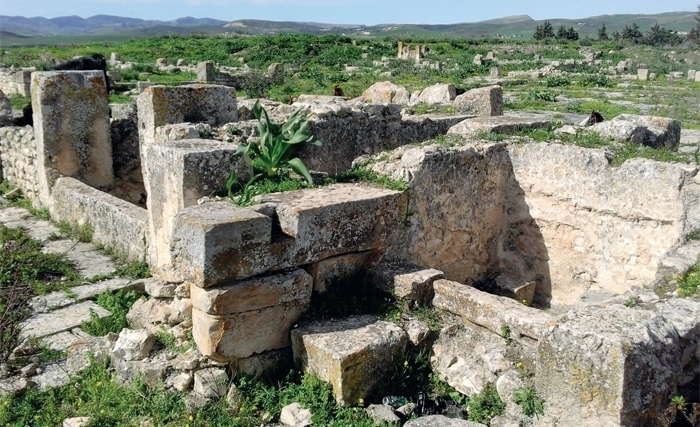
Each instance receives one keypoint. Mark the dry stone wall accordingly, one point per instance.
(16, 81)
(18, 159)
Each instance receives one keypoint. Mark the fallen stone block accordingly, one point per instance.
(490, 311)
(383, 414)
(440, 93)
(643, 74)
(352, 354)
(496, 124)
(485, 101)
(211, 383)
(60, 320)
(406, 281)
(133, 345)
(441, 421)
(650, 131)
(385, 93)
(294, 415)
(516, 288)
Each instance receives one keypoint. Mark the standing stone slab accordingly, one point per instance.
(485, 101)
(176, 174)
(352, 354)
(71, 127)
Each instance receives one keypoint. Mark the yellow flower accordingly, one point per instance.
(360, 401)
(405, 363)
(190, 418)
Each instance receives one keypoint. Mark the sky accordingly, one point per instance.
(368, 12)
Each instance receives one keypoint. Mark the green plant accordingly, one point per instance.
(556, 81)
(541, 95)
(280, 145)
(361, 173)
(81, 233)
(168, 340)
(505, 333)
(630, 302)
(483, 407)
(528, 400)
(133, 270)
(595, 80)
(118, 303)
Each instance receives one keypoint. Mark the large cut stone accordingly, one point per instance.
(440, 93)
(385, 93)
(71, 127)
(406, 281)
(491, 311)
(614, 365)
(652, 131)
(176, 174)
(484, 101)
(352, 354)
(495, 124)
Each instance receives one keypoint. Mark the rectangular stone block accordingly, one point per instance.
(485, 101)
(176, 174)
(352, 354)
(406, 281)
(643, 74)
(491, 311)
(71, 127)
(241, 335)
(218, 242)
(162, 105)
(495, 124)
(516, 288)
(117, 224)
(254, 294)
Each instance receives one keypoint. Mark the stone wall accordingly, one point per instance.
(18, 159)
(16, 81)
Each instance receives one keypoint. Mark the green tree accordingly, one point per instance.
(543, 32)
(694, 33)
(603, 33)
(632, 34)
(659, 36)
(566, 33)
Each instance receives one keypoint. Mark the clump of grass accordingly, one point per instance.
(531, 403)
(133, 270)
(118, 303)
(81, 233)
(166, 339)
(424, 108)
(629, 150)
(361, 173)
(119, 98)
(23, 202)
(483, 407)
(689, 283)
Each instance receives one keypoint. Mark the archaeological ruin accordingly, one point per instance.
(541, 243)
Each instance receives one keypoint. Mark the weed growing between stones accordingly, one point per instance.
(133, 270)
(81, 233)
(689, 283)
(361, 173)
(166, 339)
(118, 303)
(19, 201)
(629, 150)
(527, 398)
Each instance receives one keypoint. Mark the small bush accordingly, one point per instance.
(118, 303)
(596, 80)
(483, 407)
(528, 400)
(556, 81)
(133, 270)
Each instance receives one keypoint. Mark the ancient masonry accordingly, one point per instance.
(546, 224)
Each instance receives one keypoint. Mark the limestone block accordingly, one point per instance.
(240, 335)
(116, 223)
(652, 131)
(496, 124)
(293, 415)
(93, 348)
(176, 132)
(178, 173)
(697, 77)
(406, 281)
(211, 383)
(383, 414)
(643, 74)
(485, 101)
(147, 313)
(441, 421)
(324, 271)
(691, 74)
(254, 294)
(490, 311)
(478, 60)
(612, 365)
(133, 345)
(323, 106)
(516, 288)
(205, 72)
(440, 93)
(162, 105)
(76, 422)
(71, 127)
(494, 72)
(5, 110)
(60, 320)
(217, 242)
(352, 354)
(385, 93)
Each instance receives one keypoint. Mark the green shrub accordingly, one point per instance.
(595, 80)
(483, 407)
(528, 400)
(118, 303)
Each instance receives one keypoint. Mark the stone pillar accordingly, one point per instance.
(691, 75)
(642, 74)
(71, 126)
(205, 72)
(400, 51)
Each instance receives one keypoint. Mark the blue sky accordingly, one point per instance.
(342, 11)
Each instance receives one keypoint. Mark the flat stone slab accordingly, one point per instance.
(86, 259)
(54, 375)
(60, 320)
(495, 124)
(43, 303)
(491, 311)
(353, 354)
(441, 421)
(62, 340)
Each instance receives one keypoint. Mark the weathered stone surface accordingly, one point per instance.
(490, 311)
(352, 354)
(71, 127)
(385, 93)
(417, 331)
(383, 414)
(613, 365)
(81, 352)
(162, 105)
(53, 375)
(441, 421)
(469, 358)
(240, 335)
(60, 320)
(18, 155)
(485, 101)
(323, 106)
(253, 294)
(76, 422)
(181, 382)
(257, 364)
(651, 131)
(218, 242)
(642, 74)
(495, 124)
(440, 93)
(133, 344)
(178, 173)
(5, 110)
(406, 281)
(116, 223)
(58, 299)
(147, 313)
(211, 383)
(324, 271)
(507, 384)
(84, 256)
(516, 288)
(294, 415)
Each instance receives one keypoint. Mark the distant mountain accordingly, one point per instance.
(98, 24)
(510, 26)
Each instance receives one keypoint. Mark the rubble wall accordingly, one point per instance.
(18, 159)
(16, 81)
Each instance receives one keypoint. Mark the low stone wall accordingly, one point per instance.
(18, 159)
(117, 224)
(16, 81)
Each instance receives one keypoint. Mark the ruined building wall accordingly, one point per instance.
(15, 81)
(18, 158)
